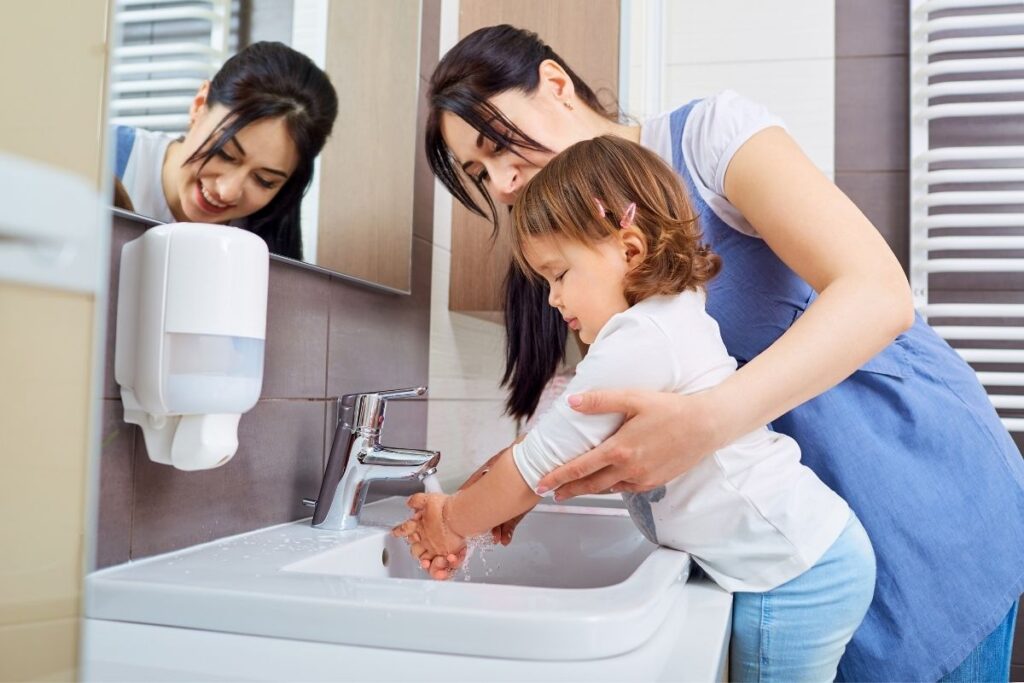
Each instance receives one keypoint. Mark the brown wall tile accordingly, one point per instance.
(380, 341)
(277, 465)
(295, 365)
(114, 524)
(884, 199)
(872, 28)
(871, 114)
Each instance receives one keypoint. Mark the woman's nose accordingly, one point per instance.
(506, 182)
(229, 187)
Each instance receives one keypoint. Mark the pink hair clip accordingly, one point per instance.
(628, 216)
(601, 211)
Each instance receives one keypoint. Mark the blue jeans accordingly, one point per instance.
(799, 630)
(990, 661)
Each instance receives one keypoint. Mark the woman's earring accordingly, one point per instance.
(568, 105)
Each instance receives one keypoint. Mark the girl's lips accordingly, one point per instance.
(205, 206)
(574, 323)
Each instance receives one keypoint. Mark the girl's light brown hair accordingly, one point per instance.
(562, 200)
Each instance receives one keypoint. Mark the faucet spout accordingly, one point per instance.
(357, 458)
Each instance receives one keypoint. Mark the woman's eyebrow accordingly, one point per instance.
(265, 168)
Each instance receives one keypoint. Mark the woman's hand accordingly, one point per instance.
(663, 436)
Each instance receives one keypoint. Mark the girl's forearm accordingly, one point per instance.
(496, 497)
(850, 322)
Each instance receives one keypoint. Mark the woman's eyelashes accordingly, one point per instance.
(496, 149)
(261, 181)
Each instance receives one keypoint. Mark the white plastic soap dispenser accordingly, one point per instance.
(191, 327)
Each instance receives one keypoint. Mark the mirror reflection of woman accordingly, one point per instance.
(817, 310)
(247, 157)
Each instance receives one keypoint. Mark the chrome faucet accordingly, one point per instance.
(357, 458)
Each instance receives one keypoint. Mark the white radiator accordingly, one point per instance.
(166, 49)
(967, 203)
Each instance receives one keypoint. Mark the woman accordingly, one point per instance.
(810, 303)
(247, 158)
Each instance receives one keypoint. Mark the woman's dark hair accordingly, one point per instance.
(486, 63)
(535, 336)
(271, 80)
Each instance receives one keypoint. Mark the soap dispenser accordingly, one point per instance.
(191, 327)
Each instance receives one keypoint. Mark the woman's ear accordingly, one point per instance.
(634, 246)
(198, 103)
(556, 81)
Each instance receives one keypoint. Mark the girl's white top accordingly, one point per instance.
(143, 175)
(750, 514)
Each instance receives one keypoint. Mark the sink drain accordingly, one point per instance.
(384, 557)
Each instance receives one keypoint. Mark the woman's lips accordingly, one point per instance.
(205, 206)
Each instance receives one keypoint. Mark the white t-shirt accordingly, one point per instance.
(142, 176)
(715, 129)
(750, 514)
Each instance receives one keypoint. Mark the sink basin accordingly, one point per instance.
(579, 589)
(554, 547)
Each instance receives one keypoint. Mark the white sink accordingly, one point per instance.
(577, 584)
(554, 547)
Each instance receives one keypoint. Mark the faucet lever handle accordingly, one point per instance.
(366, 410)
(398, 394)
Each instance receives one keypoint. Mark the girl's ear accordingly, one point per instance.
(198, 103)
(634, 246)
(555, 81)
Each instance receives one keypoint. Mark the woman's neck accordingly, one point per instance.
(598, 125)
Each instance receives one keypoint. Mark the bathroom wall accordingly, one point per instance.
(872, 139)
(326, 336)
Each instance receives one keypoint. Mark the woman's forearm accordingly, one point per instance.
(491, 500)
(851, 321)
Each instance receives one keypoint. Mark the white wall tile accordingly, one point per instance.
(801, 92)
(704, 32)
(466, 354)
(467, 433)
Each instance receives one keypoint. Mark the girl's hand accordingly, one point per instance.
(663, 436)
(434, 537)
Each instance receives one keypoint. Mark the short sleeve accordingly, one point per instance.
(632, 352)
(716, 128)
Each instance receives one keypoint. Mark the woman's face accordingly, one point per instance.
(239, 180)
(504, 173)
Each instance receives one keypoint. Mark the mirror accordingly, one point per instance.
(356, 218)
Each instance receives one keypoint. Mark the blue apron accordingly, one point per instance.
(915, 447)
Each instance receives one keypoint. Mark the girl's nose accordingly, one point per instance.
(553, 298)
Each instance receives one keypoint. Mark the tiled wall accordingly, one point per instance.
(325, 337)
(872, 143)
(872, 146)
(777, 53)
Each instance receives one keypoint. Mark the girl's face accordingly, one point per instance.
(586, 280)
(236, 182)
(541, 115)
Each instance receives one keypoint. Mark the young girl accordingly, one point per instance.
(247, 157)
(607, 225)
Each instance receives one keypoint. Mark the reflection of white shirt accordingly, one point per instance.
(750, 514)
(142, 177)
(715, 129)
